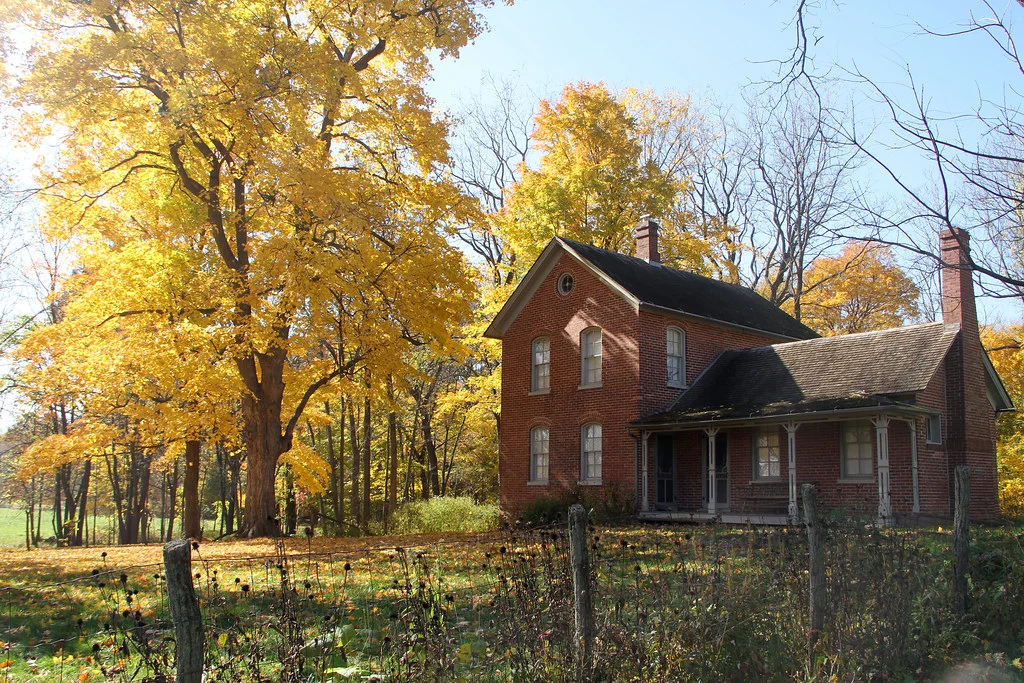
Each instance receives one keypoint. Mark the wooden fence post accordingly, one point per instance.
(583, 605)
(961, 537)
(188, 621)
(816, 551)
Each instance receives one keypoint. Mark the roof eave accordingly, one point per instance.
(1006, 403)
(812, 416)
(524, 291)
(664, 310)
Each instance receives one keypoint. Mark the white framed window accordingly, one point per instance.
(590, 357)
(590, 454)
(767, 463)
(565, 283)
(540, 365)
(856, 450)
(933, 429)
(675, 357)
(539, 455)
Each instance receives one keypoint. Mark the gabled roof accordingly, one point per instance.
(851, 372)
(657, 288)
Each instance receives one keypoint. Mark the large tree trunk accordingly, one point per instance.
(260, 516)
(264, 444)
(263, 437)
(192, 526)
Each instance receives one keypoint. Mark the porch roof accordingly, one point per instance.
(810, 411)
(825, 378)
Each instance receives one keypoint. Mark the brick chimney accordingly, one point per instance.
(969, 418)
(646, 234)
(957, 284)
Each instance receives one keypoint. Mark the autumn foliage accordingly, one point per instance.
(253, 184)
(1004, 349)
(860, 289)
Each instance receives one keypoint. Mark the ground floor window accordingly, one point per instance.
(590, 443)
(539, 454)
(767, 464)
(856, 450)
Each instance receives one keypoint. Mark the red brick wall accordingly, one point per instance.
(932, 464)
(704, 342)
(567, 407)
(970, 431)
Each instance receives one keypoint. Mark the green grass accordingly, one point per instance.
(671, 603)
(12, 527)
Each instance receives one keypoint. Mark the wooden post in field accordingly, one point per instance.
(816, 550)
(188, 622)
(961, 537)
(582, 601)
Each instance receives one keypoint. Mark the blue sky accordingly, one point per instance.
(713, 49)
(692, 47)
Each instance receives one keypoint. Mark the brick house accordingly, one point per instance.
(698, 399)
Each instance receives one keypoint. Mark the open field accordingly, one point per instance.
(671, 603)
(12, 527)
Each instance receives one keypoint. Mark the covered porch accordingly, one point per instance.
(748, 470)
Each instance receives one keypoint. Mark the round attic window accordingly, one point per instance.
(565, 283)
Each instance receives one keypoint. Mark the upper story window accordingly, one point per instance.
(675, 356)
(590, 357)
(590, 454)
(565, 283)
(856, 450)
(540, 365)
(767, 463)
(933, 429)
(539, 455)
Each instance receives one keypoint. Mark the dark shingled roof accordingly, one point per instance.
(833, 373)
(690, 293)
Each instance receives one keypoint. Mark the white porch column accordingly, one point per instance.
(644, 504)
(912, 423)
(791, 428)
(882, 442)
(712, 432)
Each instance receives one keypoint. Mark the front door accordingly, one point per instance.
(666, 473)
(721, 471)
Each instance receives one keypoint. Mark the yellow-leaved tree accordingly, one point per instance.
(142, 376)
(860, 289)
(297, 151)
(605, 162)
(1004, 349)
